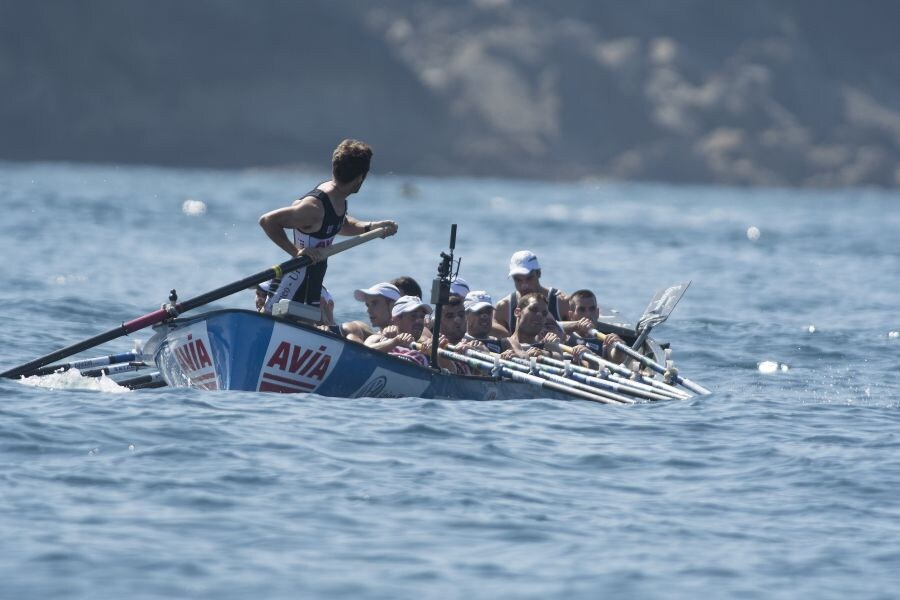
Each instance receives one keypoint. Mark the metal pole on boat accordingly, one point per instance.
(440, 292)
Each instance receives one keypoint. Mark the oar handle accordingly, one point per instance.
(171, 311)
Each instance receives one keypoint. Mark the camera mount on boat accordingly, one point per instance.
(440, 291)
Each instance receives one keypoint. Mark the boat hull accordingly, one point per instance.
(244, 350)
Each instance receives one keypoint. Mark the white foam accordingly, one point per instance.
(72, 380)
(893, 334)
(68, 279)
(768, 367)
(752, 233)
(193, 208)
(811, 329)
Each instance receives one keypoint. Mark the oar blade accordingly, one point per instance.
(661, 306)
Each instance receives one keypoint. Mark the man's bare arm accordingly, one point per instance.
(305, 215)
(353, 226)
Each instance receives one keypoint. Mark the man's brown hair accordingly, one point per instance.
(582, 294)
(531, 298)
(350, 159)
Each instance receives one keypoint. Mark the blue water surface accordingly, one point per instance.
(784, 483)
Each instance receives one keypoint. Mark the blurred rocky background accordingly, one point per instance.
(768, 92)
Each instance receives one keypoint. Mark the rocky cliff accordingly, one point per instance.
(772, 92)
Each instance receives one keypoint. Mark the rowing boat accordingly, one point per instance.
(236, 349)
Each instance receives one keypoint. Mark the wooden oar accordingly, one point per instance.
(604, 389)
(652, 364)
(526, 377)
(170, 311)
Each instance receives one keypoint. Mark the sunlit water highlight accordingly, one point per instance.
(782, 484)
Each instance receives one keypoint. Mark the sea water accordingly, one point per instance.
(784, 483)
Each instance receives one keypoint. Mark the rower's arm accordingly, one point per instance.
(564, 307)
(305, 215)
(500, 314)
(379, 342)
(353, 226)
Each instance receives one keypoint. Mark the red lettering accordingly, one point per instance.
(192, 347)
(298, 359)
(313, 360)
(203, 355)
(184, 357)
(321, 368)
(309, 364)
(280, 356)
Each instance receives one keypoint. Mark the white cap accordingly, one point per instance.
(475, 301)
(326, 296)
(459, 287)
(523, 262)
(406, 304)
(385, 289)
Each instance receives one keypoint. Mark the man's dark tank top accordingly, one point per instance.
(307, 286)
(552, 305)
(593, 344)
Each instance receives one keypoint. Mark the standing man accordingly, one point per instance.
(316, 219)
(525, 271)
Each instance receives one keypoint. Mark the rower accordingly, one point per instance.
(584, 315)
(480, 321)
(536, 331)
(407, 286)
(405, 330)
(459, 287)
(379, 300)
(525, 271)
(316, 218)
(326, 301)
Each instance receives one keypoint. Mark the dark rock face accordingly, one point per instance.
(774, 92)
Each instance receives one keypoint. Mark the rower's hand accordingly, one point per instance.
(509, 354)
(583, 327)
(389, 227)
(534, 352)
(389, 332)
(466, 345)
(609, 349)
(551, 339)
(404, 339)
(578, 352)
(313, 254)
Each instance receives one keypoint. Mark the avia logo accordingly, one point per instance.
(193, 355)
(292, 358)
